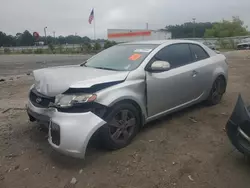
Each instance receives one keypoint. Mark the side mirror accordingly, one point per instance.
(159, 66)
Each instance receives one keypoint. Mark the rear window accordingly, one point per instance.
(198, 52)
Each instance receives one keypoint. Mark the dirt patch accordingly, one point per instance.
(185, 149)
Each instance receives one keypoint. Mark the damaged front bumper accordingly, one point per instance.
(238, 127)
(69, 133)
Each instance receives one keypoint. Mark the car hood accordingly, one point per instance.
(56, 80)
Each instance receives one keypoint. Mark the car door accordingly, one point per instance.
(174, 88)
(203, 66)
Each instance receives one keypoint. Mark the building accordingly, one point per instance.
(129, 35)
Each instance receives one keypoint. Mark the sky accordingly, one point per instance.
(67, 17)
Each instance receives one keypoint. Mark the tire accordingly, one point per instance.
(123, 123)
(217, 91)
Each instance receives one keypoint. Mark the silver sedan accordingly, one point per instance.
(116, 92)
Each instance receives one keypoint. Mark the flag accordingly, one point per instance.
(91, 16)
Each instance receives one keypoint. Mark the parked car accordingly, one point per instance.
(238, 127)
(210, 45)
(117, 91)
(243, 46)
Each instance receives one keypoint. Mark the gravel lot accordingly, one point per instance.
(21, 64)
(188, 149)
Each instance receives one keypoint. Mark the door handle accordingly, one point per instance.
(194, 73)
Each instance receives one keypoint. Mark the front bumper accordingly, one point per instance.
(238, 127)
(74, 129)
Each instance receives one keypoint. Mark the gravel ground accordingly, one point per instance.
(188, 149)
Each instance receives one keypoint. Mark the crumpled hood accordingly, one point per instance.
(56, 80)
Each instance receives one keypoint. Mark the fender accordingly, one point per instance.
(129, 90)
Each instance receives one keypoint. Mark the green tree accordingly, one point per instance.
(97, 46)
(187, 29)
(88, 47)
(26, 39)
(227, 28)
(51, 47)
(108, 44)
(6, 40)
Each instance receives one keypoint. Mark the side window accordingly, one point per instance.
(177, 55)
(198, 52)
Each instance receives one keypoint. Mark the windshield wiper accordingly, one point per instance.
(104, 68)
(83, 64)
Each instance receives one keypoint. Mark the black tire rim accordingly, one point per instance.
(218, 90)
(122, 126)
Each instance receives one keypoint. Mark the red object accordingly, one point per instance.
(36, 35)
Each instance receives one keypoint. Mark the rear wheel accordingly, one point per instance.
(123, 122)
(217, 91)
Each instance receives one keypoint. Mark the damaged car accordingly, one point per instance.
(121, 89)
(238, 127)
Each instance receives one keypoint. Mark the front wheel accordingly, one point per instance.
(217, 91)
(123, 122)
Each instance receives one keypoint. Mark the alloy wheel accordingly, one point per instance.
(122, 125)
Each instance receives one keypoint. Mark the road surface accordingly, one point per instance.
(22, 64)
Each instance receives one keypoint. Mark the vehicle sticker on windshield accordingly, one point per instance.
(134, 57)
(143, 50)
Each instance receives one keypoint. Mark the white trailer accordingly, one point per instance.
(129, 35)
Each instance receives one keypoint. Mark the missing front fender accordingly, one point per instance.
(96, 108)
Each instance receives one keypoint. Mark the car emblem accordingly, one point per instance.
(38, 100)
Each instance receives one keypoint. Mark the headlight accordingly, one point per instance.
(69, 100)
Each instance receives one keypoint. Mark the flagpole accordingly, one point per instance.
(94, 24)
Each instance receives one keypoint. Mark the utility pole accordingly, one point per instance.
(54, 34)
(194, 27)
(45, 34)
(74, 41)
(146, 26)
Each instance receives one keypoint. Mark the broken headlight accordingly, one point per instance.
(74, 99)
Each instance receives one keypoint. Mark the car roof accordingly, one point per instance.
(167, 42)
(244, 43)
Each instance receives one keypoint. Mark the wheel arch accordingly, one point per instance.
(219, 72)
(135, 103)
(222, 76)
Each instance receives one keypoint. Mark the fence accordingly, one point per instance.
(63, 49)
(225, 43)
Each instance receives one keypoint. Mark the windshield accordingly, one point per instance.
(121, 57)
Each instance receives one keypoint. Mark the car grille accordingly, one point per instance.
(55, 133)
(40, 100)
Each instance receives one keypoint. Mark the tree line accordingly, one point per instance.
(27, 39)
(224, 28)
